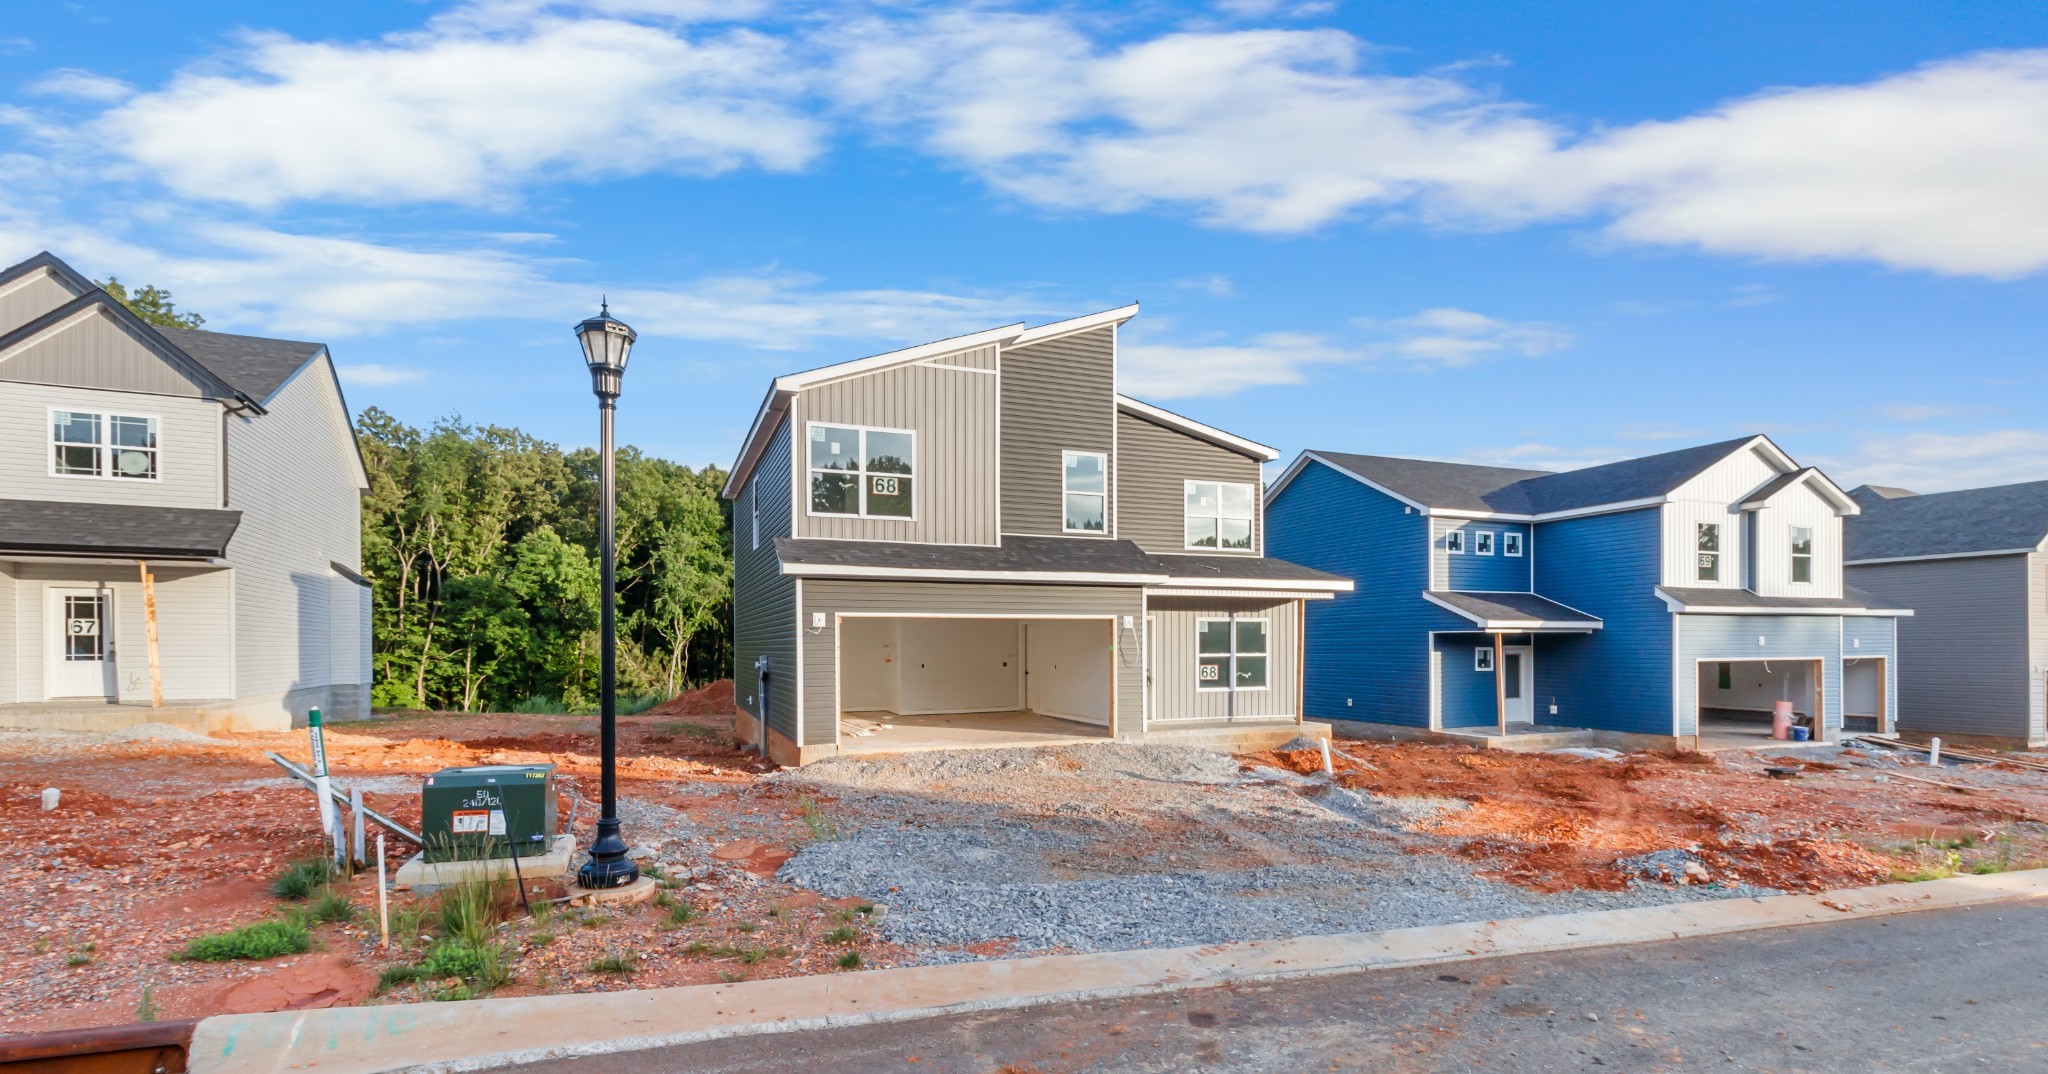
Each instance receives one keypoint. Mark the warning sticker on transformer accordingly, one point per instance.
(475, 821)
(497, 822)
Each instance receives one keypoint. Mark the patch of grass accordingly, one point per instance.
(849, 960)
(743, 954)
(42, 945)
(394, 976)
(730, 977)
(594, 921)
(816, 822)
(653, 869)
(407, 923)
(746, 927)
(148, 1010)
(615, 963)
(696, 947)
(468, 911)
(681, 913)
(842, 934)
(265, 939)
(865, 908)
(77, 958)
(331, 906)
(302, 878)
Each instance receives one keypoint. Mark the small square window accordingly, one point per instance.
(1802, 554)
(1482, 658)
(1511, 543)
(1482, 543)
(1219, 514)
(1454, 542)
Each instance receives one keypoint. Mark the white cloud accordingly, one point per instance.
(456, 113)
(1454, 337)
(1173, 371)
(1916, 411)
(81, 85)
(1938, 462)
(372, 375)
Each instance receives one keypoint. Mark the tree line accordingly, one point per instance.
(481, 542)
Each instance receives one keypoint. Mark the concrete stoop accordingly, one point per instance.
(479, 1034)
(1234, 738)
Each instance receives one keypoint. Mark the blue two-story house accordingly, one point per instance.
(1677, 596)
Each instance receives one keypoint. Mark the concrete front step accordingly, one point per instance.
(1235, 738)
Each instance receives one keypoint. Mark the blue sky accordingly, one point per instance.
(1542, 234)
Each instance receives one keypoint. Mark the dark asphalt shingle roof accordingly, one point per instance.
(1049, 555)
(1513, 606)
(1994, 519)
(1461, 486)
(255, 366)
(1254, 568)
(54, 527)
(1852, 599)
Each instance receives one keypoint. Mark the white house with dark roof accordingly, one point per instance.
(1973, 564)
(223, 467)
(1679, 596)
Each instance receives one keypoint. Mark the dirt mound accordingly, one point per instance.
(710, 699)
(541, 743)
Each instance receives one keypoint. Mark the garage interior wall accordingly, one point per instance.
(1069, 669)
(1751, 688)
(924, 667)
(1862, 687)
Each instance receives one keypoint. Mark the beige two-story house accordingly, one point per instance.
(979, 541)
(222, 467)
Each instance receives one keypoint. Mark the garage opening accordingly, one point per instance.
(1737, 699)
(1863, 695)
(952, 682)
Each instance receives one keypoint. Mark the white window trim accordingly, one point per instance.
(1511, 543)
(1482, 543)
(1065, 492)
(1697, 552)
(1454, 540)
(1253, 518)
(1482, 658)
(1792, 564)
(106, 429)
(1265, 626)
(915, 473)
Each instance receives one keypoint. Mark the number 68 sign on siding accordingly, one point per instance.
(879, 485)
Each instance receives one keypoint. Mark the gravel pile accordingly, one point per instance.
(16, 740)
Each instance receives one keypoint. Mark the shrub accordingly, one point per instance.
(394, 695)
(302, 878)
(265, 939)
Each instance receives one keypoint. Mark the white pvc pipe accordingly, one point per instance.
(383, 902)
(1934, 753)
(1328, 770)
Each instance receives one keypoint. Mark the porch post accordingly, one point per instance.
(156, 675)
(1500, 685)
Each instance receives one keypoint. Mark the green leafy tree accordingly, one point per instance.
(152, 304)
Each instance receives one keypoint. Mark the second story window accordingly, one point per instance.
(87, 444)
(1709, 541)
(865, 473)
(1219, 515)
(1084, 487)
(754, 510)
(1802, 554)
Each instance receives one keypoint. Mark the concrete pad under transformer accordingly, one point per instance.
(421, 873)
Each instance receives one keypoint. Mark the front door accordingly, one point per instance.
(1518, 682)
(82, 643)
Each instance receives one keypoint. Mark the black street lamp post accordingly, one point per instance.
(607, 342)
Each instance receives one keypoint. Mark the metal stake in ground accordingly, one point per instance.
(607, 343)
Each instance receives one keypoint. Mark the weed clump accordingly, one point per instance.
(301, 879)
(265, 939)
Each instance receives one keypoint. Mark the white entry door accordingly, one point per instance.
(1518, 682)
(81, 637)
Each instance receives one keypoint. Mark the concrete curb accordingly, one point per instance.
(449, 1037)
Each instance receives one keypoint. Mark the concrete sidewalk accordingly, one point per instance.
(495, 1032)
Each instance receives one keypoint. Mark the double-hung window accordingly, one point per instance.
(88, 444)
(1230, 654)
(1802, 554)
(1708, 538)
(865, 473)
(1084, 487)
(1219, 514)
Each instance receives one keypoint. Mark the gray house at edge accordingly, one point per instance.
(979, 540)
(1974, 566)
(224, 466)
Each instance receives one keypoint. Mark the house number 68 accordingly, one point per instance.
(884, 486)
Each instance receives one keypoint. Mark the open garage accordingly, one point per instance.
(1738, 696)
(909, 682)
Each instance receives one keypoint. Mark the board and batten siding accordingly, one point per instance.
(1713, 495)
(188, 448)
(1770, 550)
(1153, 466)
(1619, 677)
(1173, 652)
(31, 296)
(764, 599)
(950, 402)
(93, 350)
(1470, 571)
(996, 600)
(1057, 396)
(1367, 651)
(1963, 666)
(1790, 638)
(295, 476)
(195, 617)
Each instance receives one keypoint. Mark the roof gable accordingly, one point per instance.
(2002, 518)
(93, 341)
(256, 366)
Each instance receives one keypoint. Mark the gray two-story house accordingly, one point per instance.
(180, 521)
(980, 541)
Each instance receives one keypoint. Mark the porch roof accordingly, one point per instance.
(1088, 560)
(1515, 613)
(1213, 571)
(1853, 601)
(58, 527)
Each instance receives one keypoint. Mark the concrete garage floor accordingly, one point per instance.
(890, 733)
(1746, 731)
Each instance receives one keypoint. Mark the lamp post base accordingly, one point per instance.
(609, 866)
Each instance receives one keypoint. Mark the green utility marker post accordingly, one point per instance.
(330, 825)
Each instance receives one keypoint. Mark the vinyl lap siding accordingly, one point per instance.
(1367, 651)
(1734, 637)
(831, 597)
(9, 649)
(1497, 573)
(1963, 666)
(188, 459)
(1174, 693)
(1618, 678)
(953, 412)
(1057, 396)
(1153, 464)
(2037, 662)
(195, 614)
(764, 600)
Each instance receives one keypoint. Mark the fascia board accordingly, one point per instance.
(826, 570)
(1072, 325)
(794, 382)
(1141, 409)
(1547, 516)
(1183, 582)
(1947, 555)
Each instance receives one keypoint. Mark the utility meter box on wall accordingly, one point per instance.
(488, 811)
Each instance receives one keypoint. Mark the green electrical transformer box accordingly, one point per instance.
(488, 811)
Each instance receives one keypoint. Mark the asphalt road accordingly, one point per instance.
(1950, 990)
